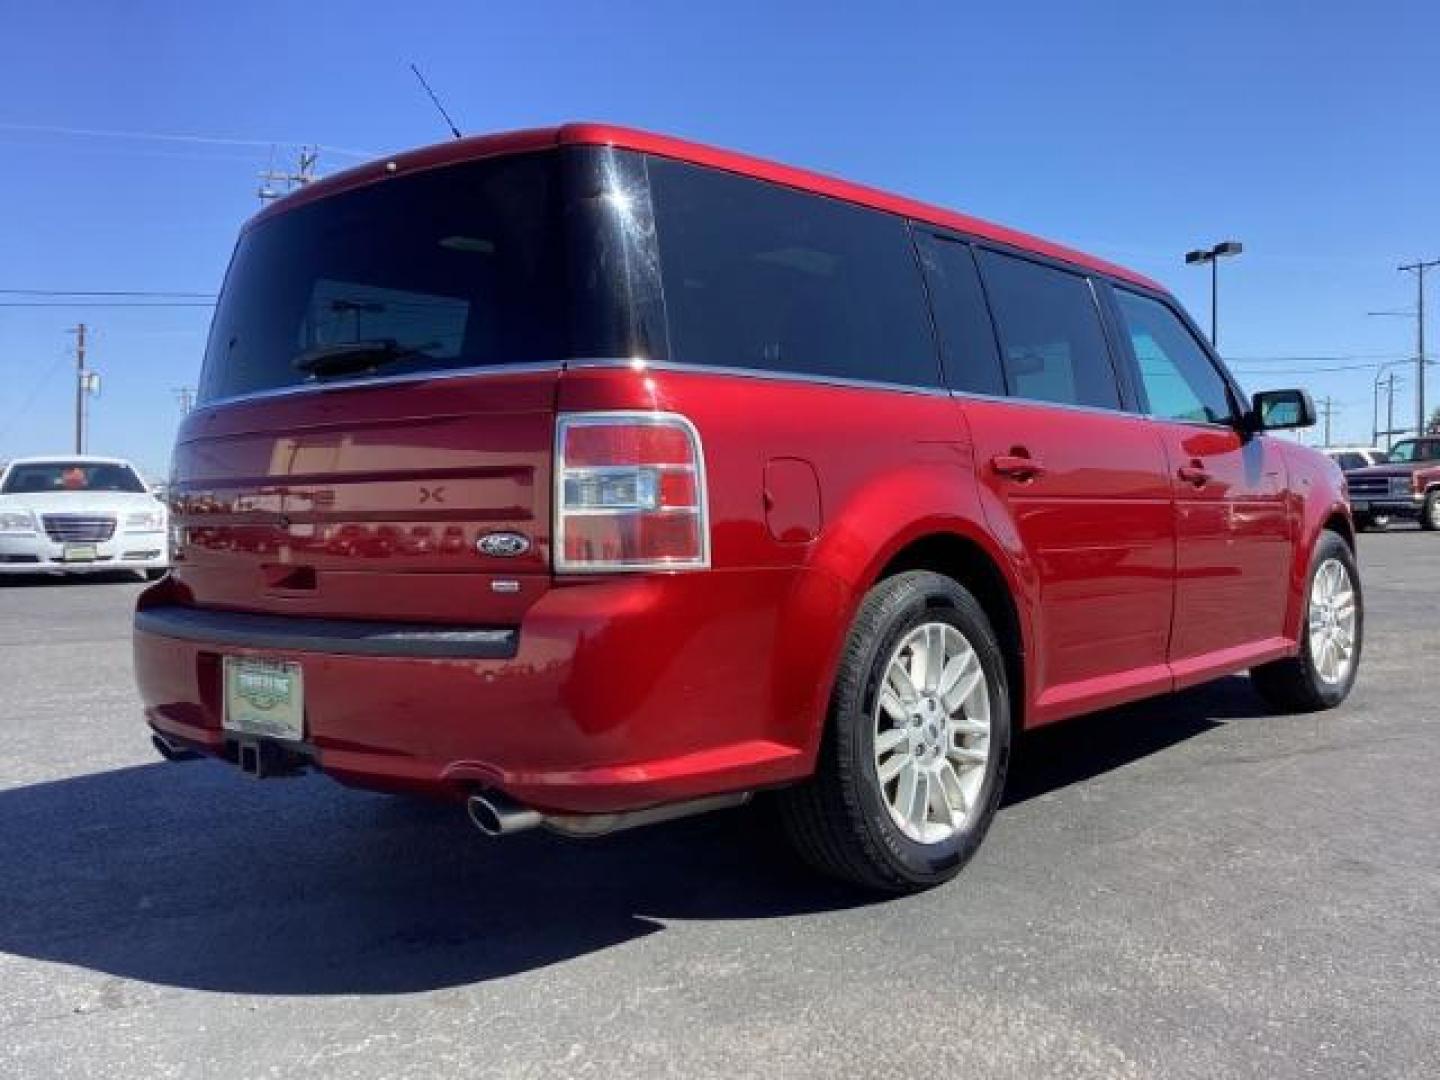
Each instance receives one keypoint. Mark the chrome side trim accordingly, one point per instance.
(381, 380)
(642, 366)
(1004, 399)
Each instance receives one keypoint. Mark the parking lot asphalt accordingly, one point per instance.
(1183, 888)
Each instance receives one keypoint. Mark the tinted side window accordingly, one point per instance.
(967, 340)
(1178, 379)
(760, 276)
(1051, 340)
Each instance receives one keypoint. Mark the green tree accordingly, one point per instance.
(1435, 420)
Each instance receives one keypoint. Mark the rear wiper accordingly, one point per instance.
(353, 356)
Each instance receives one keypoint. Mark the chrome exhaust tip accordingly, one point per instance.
(497, 815)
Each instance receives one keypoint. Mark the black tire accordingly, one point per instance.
(1372, 522)
(1430, 512)
(839, 820)
(1294, 684)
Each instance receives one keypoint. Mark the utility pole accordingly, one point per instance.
(1418, 268)
(1390, 410)
(185, 397)
(1327, 410)
(304, 174)
(79, 333)
(86, 382)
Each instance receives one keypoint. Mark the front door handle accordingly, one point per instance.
(1016, 466)
(1195, 474)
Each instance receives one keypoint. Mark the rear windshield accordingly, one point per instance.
(455, 267)
(46, 476)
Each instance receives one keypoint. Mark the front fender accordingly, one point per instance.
(1317, 498)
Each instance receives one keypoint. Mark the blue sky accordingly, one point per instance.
(1133, 130)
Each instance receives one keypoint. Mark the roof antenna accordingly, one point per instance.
(449, 123)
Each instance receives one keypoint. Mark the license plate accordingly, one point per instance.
(79, 553)
(264, 698)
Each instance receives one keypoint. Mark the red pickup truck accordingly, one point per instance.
(590, 477)
(1406, 486)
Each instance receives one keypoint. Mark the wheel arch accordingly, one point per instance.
(1334, 517)
(1340, 523)
(963, 558)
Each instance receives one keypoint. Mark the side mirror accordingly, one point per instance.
(1277, 410)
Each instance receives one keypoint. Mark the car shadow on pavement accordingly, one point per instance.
(1073, 751)
(190, 875)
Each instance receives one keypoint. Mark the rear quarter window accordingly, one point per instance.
(761, 276)
(967, 340)
(1052, 343)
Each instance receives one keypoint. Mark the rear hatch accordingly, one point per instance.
(378, 398)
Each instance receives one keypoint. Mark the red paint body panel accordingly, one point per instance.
(366, 502)
(1093, 531)
(634, 690)
(1236, 539)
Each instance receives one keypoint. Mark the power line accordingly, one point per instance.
(105, 292)
(1320, 370)
(1314, 359)
(107, 303)
(155, 136)
(35, 391)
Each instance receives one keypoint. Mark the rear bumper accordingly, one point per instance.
(612, 695)
(35, 554)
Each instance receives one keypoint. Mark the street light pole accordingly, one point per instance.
(1212, 256)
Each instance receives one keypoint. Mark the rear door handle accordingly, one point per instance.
(1016, 466)
(1195, 474)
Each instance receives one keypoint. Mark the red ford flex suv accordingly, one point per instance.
(594, 478)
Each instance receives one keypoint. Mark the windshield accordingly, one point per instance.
(1415, 450)
(42, 477)
(455, 267)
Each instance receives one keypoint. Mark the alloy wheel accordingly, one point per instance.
(932, 733)
(1332, 622)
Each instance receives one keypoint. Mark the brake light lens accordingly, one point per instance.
(629, 493)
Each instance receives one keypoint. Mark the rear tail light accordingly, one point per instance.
(629, 493)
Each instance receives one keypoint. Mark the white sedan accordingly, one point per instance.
(80, 514)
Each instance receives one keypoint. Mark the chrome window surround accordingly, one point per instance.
(319, 386)
(640, 366)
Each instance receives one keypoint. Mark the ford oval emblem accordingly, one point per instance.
(503, 545)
